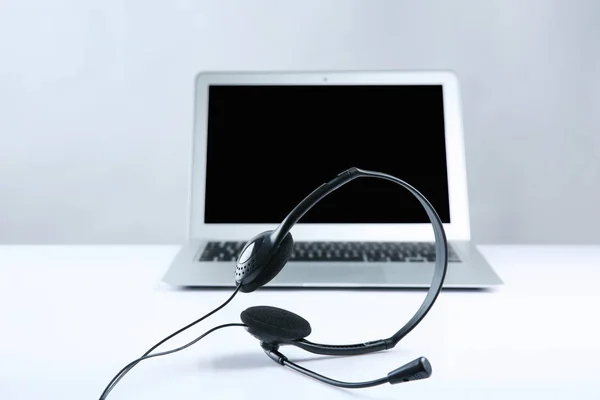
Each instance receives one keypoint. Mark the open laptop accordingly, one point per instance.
(265, 140)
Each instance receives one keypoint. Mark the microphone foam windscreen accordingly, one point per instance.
(275, 324)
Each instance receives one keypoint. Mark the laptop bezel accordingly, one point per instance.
(457, 229)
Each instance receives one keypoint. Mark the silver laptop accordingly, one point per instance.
(265, 140)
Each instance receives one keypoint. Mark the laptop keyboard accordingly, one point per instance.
(339, 251)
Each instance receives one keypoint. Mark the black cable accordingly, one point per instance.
(129, 366)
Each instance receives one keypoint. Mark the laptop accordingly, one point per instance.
(263, 141)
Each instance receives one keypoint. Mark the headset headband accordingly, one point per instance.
(441, 260)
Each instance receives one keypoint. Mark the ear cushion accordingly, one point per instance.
(274, 324)
(275, 264)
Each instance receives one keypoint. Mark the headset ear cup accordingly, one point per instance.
(274, 265)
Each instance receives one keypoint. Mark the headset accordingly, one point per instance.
(265, 255)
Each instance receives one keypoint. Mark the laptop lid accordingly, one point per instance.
(264, 140)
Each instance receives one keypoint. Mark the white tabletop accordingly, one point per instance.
(73, 316)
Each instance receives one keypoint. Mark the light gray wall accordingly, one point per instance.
(96, 104)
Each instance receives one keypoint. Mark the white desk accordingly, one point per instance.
(73, 316)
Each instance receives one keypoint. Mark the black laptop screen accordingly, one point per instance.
(270, 146)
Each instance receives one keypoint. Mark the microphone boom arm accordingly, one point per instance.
(414, 370)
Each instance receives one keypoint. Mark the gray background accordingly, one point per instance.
(96, 104)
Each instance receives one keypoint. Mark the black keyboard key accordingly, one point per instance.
(397, 257)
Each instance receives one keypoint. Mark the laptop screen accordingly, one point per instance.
(268, 147)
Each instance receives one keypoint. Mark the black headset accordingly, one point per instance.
(261, 259)
(264, 256)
